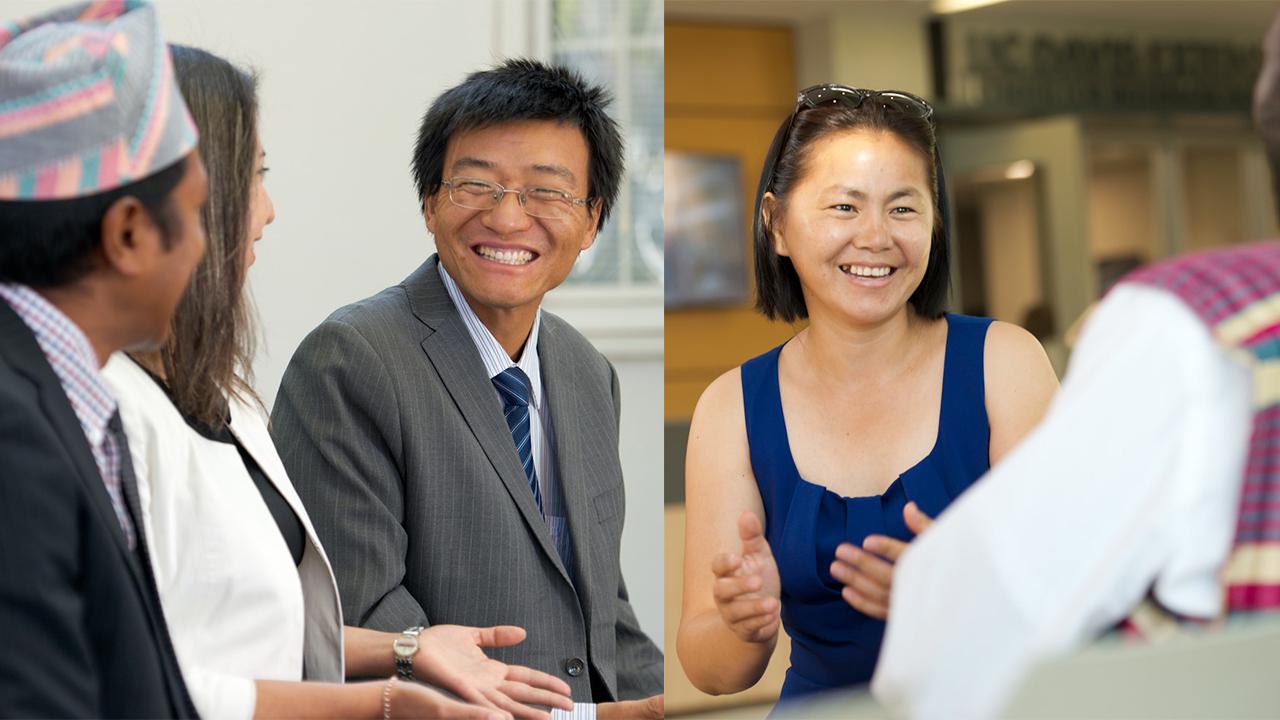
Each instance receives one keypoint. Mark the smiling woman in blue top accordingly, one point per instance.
(872, 418)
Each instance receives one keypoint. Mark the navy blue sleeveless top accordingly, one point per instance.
(832, 644)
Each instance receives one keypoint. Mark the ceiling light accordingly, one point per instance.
(947, 7)
(1020, 170)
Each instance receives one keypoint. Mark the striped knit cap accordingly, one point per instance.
(87, 102)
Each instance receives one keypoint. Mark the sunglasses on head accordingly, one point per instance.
(835, 94)
(829, 94)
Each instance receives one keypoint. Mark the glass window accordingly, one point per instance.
(619, 44)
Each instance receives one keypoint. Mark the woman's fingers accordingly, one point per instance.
(517, 710)
(498, 636)
(539, 679)
(886, 547)
(754, 621)
(867, 578)
(868, 588)
(915, 518)
(752, 534)
(877, 610)
(527, 695)
(728, 588)
(876, 568)
(757, 623)
(725, 564)
(740, 610)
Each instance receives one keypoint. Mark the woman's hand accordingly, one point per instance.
(410, 700)
(747, 589)
(450, 657)
(867, 572)
(650, 708)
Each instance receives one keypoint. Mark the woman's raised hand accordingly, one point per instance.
(867, 572)
(747, 588)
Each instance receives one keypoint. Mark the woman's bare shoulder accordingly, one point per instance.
(719, 411)
(1020, 382)
(723, 395)
(1009, 345)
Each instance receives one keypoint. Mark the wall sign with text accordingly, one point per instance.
(1046, 71)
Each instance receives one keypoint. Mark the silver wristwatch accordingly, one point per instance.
(404, 648)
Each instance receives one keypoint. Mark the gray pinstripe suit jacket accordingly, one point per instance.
(389, 427)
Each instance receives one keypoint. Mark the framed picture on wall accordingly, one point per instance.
(704, 241)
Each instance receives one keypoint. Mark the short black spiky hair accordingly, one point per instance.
(523, 89)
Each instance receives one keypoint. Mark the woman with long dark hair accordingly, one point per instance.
(246, 587)
(878, 413)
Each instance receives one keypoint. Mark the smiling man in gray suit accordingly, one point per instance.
(456, 446)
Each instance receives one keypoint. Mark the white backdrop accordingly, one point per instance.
(342, 88)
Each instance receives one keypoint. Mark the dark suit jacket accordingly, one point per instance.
(80, 635)
(394, 436)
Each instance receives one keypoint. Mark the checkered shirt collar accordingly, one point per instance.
(70, 355)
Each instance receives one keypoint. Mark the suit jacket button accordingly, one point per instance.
(574, 666)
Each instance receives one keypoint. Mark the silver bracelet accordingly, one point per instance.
(386, 697)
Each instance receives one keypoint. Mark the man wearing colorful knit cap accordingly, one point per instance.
(1146, 500)
(100, 192)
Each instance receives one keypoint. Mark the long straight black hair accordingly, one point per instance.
(209, 354)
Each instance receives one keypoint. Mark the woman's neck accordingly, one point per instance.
(855, 355)
(151, 361)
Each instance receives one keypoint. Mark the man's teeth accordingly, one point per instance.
(870, 272)
(506, 257)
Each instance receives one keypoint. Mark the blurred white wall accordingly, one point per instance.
(342, 89)
(866, 44)
(1011, 250)
(1119, 192)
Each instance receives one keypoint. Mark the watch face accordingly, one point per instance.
(405, 647)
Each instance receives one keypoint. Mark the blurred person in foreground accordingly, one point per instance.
(1146, 499)
(456, 445)
(883, 409)
(245, 585)
(100, 195)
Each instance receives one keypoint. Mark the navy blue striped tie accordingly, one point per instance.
(513, 388)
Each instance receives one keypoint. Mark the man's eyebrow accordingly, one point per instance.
(559, 171)
(474, 163)
(471, 163)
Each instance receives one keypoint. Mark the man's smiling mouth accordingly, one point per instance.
(506, 257)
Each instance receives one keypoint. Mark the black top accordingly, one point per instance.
(286, 520)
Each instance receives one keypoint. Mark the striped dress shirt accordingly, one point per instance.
(541, 433)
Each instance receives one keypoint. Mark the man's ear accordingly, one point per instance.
(593, 223)
(429, 212)
(768, 211)
(131, 239)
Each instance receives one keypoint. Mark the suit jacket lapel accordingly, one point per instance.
(559, 370)
(24, 353)
(454, 355)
